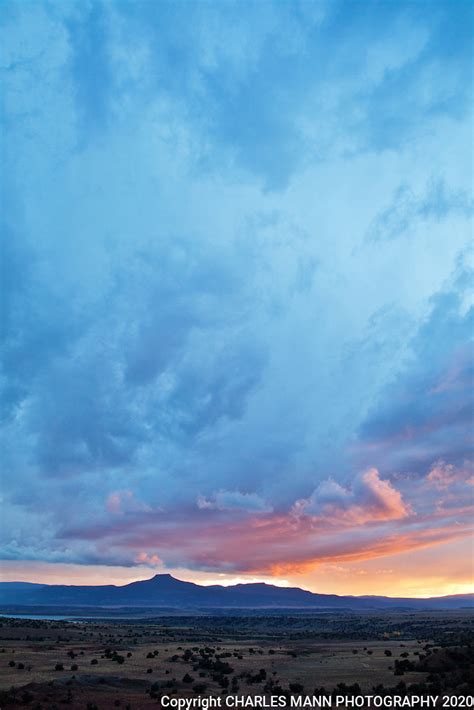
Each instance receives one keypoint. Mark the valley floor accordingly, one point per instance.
(131, 664)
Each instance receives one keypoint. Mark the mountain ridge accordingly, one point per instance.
(165, 590)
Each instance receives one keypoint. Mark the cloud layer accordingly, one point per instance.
(236, 276)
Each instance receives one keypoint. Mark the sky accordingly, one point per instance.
(237, 293)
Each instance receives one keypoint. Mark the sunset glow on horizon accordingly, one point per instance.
(237, 283)
(393, 575)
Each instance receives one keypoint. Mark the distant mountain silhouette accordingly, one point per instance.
(163, 590)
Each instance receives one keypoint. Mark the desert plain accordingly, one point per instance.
(99, 663)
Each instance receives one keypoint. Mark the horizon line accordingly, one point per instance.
(237, 584)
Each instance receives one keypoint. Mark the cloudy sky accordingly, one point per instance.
(236, 337)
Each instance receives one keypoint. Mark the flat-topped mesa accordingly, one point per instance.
(162, 579)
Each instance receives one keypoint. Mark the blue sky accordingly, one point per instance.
(236, 277)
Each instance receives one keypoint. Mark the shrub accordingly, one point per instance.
(296, 687)
(402, 666)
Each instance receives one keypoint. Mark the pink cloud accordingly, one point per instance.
(114, 502)
(119, 502)
(276, 543)
(443, 475)
(145, 558)
(366, 519)
(368, 499)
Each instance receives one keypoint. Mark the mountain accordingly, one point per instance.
(163, 590)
